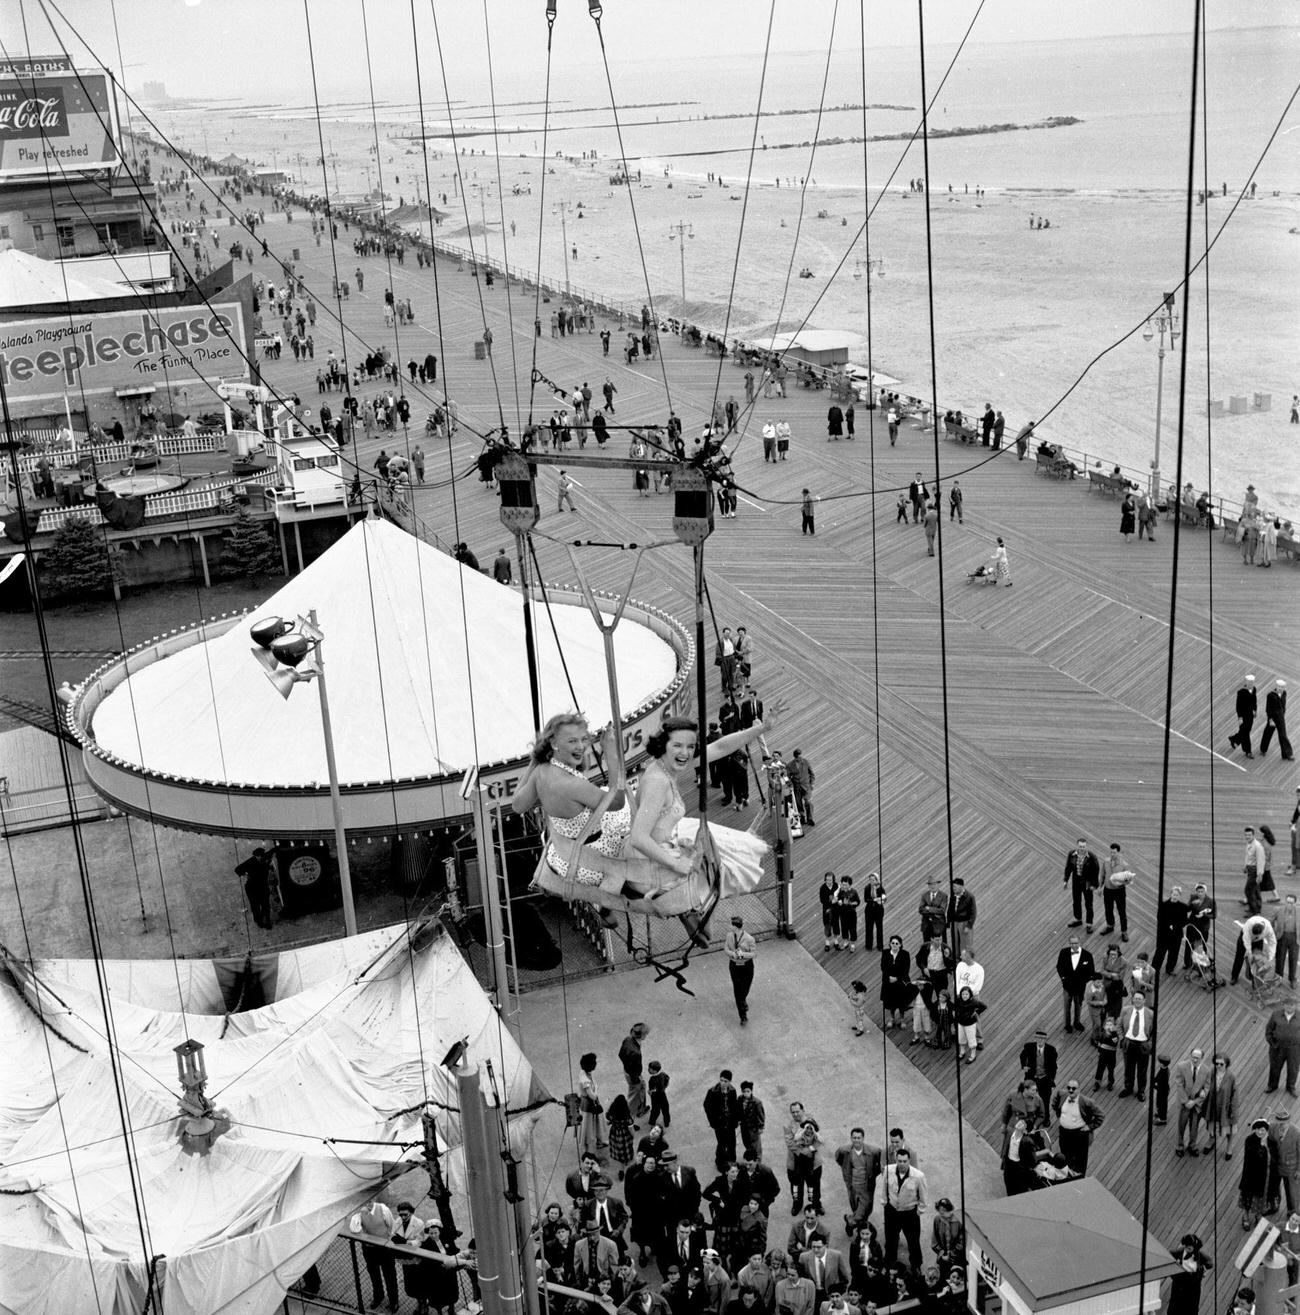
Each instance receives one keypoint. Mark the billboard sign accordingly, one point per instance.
(42, 360)
(55, 125)
(35, 67)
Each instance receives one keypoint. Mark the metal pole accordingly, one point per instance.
(1160, 391)
(701, 679)
(518, 1215)
(564, 235)
(616, 715)
(492, 923)
(498, 1274)
(530, 644)
(336, 803)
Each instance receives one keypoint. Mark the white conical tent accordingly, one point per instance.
(427, 674)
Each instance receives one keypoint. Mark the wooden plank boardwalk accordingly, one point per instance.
(1051, 726)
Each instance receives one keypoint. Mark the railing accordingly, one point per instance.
(106, 454)
(157, 506)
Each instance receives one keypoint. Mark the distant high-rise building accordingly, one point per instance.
(154, 92)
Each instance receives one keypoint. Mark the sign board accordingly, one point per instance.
(42, 360)
(37, 66)
(64, 123)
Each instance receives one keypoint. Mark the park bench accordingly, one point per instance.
(1112, 484)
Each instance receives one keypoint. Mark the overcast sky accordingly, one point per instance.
(258, 48)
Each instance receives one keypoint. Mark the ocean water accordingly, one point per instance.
(1017, 317)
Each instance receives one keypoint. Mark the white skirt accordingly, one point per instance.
(740, 854)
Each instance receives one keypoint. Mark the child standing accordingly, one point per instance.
(966, 1013)
(1107, 1046)
(1094, 997)
(657, 1084)
(619, 1117)
(858, 999)
(1160, 1089)
(846, 901)
(943, 1022)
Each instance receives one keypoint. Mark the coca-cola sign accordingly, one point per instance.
(60, 124)
(32, 116)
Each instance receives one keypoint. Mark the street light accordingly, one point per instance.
(1166, 321)
(290, 651)
(564, 207)
(679, 232)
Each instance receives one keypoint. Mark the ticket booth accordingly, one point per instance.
(1072, 1249)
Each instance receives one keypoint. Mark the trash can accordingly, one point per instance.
(1216, 409)
(1263, 401)
(1237, 405)
(297, 255)
(480, 350)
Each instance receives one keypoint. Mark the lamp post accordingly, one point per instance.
(679, 232)
(1166, 322)
(291, 653)
(564, 207)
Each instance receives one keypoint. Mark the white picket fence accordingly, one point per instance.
(157, 506)
(109, 454)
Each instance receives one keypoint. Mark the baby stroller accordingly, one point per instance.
(982, 572)
(1202, 961)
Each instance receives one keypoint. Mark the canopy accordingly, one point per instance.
(349, 1053)
(427, 675)
(27, 280)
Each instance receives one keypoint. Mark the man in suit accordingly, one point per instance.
(859, 1163)
(609, 1213)
(594, 1256)
(933, 910)
(683, 1246)
(578, 1183)
(827, 1269)
(1287, 1137)
(1074, 967)
(1282, 1032)
(1083, 876)
(1078, 1117)
(1190, 1082)
(681, 1189)
(751, 708)
(629, 1055)
(1038, 1063)
(1275, 721)
(1135, 1022)
(804, 1232)
(1247, 705)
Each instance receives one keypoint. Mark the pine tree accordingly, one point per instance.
(81, 561)
(252, 551)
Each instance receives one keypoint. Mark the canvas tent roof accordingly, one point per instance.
(1105, 1252)
(27, 280)
(427, 675)
(352, 1053)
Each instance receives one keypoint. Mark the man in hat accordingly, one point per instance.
(1038, 1060)
(594, 1256)
(629, 1055)
(1275, 721)
(681, 1188)
(1287, 1136)
(933, 909)
(741, 948)
(961, 914)
(1247, 704)
(609, 1213)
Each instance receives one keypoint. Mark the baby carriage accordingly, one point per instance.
(982, 572)
(1202, 961)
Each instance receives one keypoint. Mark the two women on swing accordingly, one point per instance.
(644, 859)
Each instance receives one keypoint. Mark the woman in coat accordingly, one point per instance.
(828, 894)
(644, 1188)
(1113, 967)
(1127, 517)
(1220, 1107)
(1261, 1176)
(896, 989)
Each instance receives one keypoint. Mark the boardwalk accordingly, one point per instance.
(988, 726)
